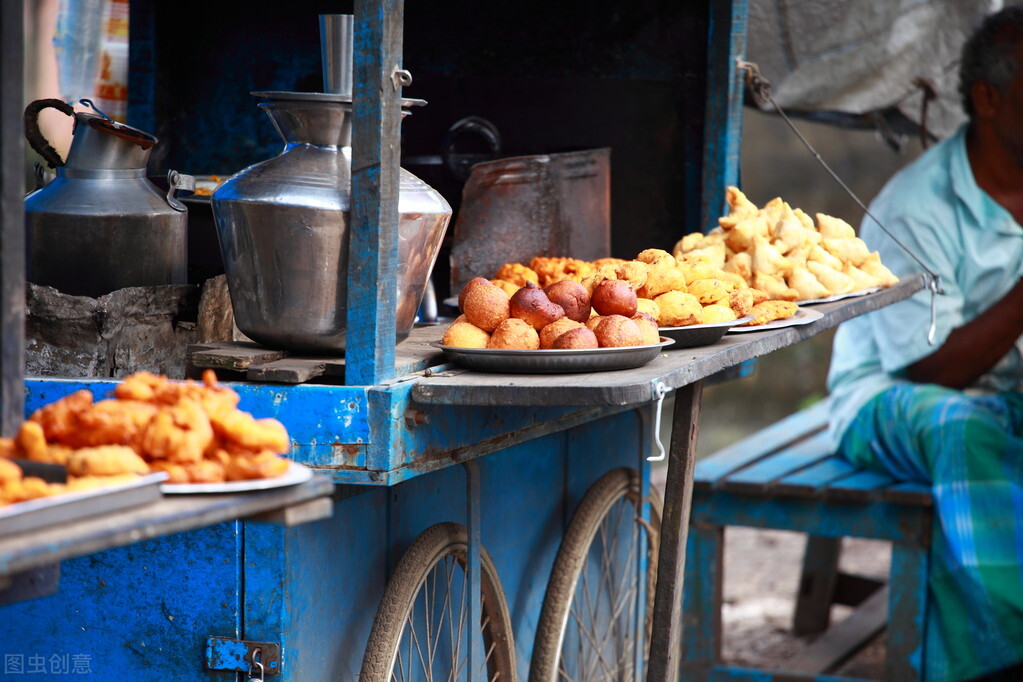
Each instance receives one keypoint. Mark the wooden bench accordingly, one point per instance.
(785, 477)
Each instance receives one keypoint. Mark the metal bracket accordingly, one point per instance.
(178, 181)
(401, 78)
(225, 653)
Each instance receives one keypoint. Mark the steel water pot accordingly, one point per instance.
(283, 225)
(101, 225)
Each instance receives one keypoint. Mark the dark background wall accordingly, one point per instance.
(551, 76)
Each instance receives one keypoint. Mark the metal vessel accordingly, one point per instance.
(101, 225)
(283, 228)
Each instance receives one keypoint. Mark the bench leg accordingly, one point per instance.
(817, 585)
(907, 612)
(701, 611)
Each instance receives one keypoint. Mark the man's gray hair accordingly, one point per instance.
(990, 53)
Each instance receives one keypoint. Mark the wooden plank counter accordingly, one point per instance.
(675, 368)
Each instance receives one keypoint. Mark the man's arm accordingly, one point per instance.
(974, 348)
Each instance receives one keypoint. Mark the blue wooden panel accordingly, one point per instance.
(810, 482)
(907, 611)
(702, 592)
(315, 587)
(759, 475)
(877, 520)
(135, 613)
(859, 486)
(765, 441)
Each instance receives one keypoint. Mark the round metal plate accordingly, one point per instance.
(553, 361)
(700, 334)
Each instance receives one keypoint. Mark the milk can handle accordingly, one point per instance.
(35, 136)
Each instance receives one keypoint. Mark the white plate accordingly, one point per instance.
(839, 297)
(802, 316)
(295, 474)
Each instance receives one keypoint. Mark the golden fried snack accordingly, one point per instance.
(835, 281)
(594, 320)
(474, 282)
(739, 208)
(180, 433)
(648, 327)
(768, 311)
(601, 262)
(465, 335)
(740, 301)
(767, 260)
(508, 287)
(106, 460)
(80, 483)
(31, 440)
(774, 287)
(238, 429)
(206, 471)
(573, 298)
(514, 334)
(9, 471)
(741, 264)
(531, 304)
(806, 284)
(873, 267)
(60, 419)
(657, 256)
(112, 422)
(614, 297)
(849, 250)
(861, 280)
(248, 466)
(634, 272)
(617, 331)
(834, 228)
(678, 309)
(550, 333)
(144, 386)
(176, 473)
(662, 278)
(518, 274)
(715, 313)
(711, 291)
(648, 306)
(574, 339)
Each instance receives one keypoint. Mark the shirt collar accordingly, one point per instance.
(980, 205)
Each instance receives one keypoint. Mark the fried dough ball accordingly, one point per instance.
(180, 433)
(648, 327)
(176, 473)
(531, 304)
(514, 334)
(508, 287)
(678, 309)
(80, 483)
(617, 331)
(614, 297)
(573, 298)
(486, 306)
(592, 323)
(465, 335)
(205, 471)
(106, 460)
(9, 471)
(580, 337)
(715, 313)
(662, 278)
(518, 274)
(474, 282)
(550, 333)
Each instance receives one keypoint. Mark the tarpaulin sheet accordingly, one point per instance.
(863, 56)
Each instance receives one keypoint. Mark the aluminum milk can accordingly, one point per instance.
(283, 228)
(101, 225)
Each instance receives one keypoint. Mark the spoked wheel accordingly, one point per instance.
(588, 624)
(421, 630)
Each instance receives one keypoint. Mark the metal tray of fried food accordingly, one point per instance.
(22, 517)
(701, 334)
(558, 361)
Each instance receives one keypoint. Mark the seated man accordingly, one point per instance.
(951, 414)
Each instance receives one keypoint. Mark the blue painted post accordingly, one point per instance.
(701, 603)
(12, 226)
(726, 43)
(907, 611)
(373, 247)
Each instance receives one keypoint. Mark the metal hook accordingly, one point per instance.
(89, 103)
(660, 390)
(256, 664)
(934, 285)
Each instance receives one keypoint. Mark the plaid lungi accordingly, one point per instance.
(969, 449)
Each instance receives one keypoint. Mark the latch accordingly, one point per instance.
(224, 653)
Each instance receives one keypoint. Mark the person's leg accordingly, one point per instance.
(969, 449)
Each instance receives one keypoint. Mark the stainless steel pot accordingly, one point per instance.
(101, 225)
(283, 229)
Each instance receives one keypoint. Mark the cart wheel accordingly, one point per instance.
(588, 628)
(420, 630)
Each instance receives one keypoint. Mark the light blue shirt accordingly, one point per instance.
(938, 212)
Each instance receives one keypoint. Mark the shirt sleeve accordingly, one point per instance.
(901, 329)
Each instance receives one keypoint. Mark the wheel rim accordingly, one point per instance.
(434, 641)
(600, 634)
